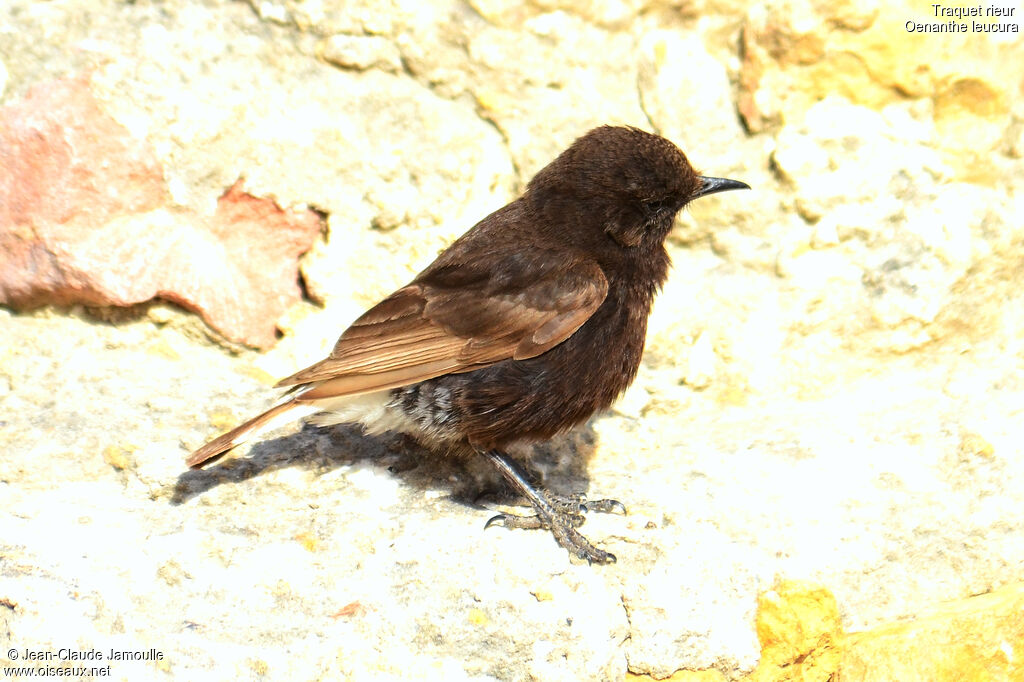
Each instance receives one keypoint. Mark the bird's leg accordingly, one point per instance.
(561, 515)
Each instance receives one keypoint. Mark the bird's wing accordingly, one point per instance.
(456, 318)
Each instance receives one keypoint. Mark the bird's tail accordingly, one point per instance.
(274, 417)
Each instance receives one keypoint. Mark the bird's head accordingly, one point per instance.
(634, 183)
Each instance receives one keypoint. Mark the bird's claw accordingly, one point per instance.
(562, 518)
(606, 507)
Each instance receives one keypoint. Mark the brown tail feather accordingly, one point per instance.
(240, 434)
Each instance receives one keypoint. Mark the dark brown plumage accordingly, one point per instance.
(524, 327)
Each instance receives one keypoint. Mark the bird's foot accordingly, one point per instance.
(562, 515)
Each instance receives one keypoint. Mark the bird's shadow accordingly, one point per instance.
(559, 464)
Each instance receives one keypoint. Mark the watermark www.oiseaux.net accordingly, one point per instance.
(65, 662)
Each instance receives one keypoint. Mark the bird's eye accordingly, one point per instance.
(655, 206)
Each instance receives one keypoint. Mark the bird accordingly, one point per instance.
(524, 327)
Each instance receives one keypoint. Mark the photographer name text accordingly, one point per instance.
(86, 655)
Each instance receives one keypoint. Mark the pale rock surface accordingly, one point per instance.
(795, 52)
(361, 52)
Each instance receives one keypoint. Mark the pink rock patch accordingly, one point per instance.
(85, 218)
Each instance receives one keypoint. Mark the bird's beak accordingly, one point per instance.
(714, 185)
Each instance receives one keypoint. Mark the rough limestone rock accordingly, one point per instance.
(830, 394)
(84, 218)
(802, 638)
(795, 52)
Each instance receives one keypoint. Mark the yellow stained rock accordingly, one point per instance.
(478, 617)
(974, 639)
(971, 640)
(119, 456)
(163, 349)
(796, 53)
(800, 632)
(542, 594)
(259, 375)
(223, 420)
(308, 541)
(258, 666)
(732, 392)
(973, 445)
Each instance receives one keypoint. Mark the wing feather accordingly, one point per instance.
(458, 322)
